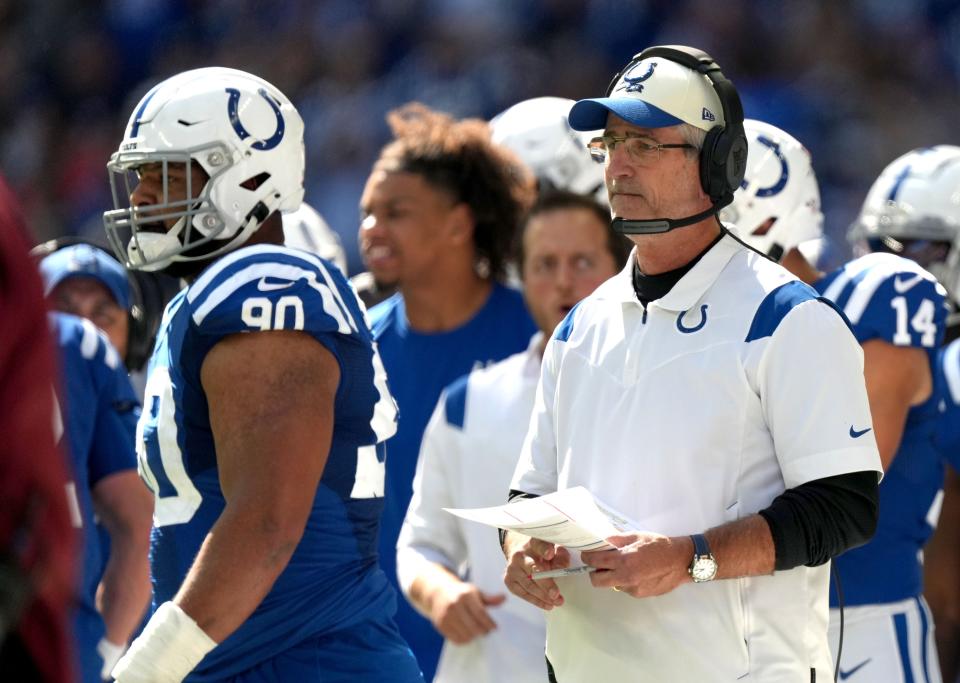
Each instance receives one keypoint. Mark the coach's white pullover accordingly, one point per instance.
(469, 451)
(735, 385)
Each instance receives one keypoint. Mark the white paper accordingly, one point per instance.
(572, 518)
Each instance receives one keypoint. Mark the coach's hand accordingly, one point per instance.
(527, 555)
(459, 610)
(641, 565)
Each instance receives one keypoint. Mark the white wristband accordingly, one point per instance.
(170, 646)
(110, 653)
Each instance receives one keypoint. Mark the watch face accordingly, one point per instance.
(703, 569)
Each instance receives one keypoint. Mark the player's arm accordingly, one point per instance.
(271, 406)
(121, 501)
(898, 378)
(430, 541)
(941, 585)
(125, 507)
(271, 398)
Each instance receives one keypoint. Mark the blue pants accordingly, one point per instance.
(371, 652)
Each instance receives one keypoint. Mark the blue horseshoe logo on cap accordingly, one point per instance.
(243, 133)
(696, 328)
(778, 186)
(635, 84)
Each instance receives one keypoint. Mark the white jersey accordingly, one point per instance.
(696, 412)
(469, 452)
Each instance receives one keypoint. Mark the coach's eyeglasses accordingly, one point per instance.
(639, 148)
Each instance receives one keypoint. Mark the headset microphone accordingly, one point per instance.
(627, 226)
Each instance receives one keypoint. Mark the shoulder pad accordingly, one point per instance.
(266, 287)
(892, 299)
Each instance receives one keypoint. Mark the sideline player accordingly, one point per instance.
(266, 404)
(100, 414)
(449, 568)
(897, 311)
(913, 209)
(448, 203)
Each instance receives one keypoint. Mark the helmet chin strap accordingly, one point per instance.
(626, 226)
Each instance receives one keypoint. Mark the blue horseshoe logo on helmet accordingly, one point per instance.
(243, 133)
(635, 84)
(696, 328)
(778, 186)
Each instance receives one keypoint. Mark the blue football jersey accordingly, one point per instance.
(893, 299)
(332, 581)
(948, 423)
(99, 412)
(420, 366)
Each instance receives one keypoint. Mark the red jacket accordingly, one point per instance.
(35, 525)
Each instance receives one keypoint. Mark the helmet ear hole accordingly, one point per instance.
(256, 181)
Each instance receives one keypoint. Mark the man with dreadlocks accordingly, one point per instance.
(446, 203)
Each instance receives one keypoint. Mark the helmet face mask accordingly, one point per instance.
(913, 210)
(245, 136)
(142, 233)
(778, 204)
(537, 131)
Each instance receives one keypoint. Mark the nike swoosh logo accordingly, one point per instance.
(903, 286)
(844, 675)
(265, 286)
(854, 434)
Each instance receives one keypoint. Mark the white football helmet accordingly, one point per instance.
(245, 135)
(913, 209)
(537, 131)
(305, 229)
(778, 204)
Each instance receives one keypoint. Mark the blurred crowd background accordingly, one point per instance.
(858, 81)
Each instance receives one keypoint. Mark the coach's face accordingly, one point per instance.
(661, 184)
(88, 298)
(566, 255)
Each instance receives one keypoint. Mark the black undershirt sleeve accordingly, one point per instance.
(820, 519)
(816, 521)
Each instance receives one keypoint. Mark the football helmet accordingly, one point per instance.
(778, 204)
(243, 133)
(305, 229)
(913, 209)
(537, 131)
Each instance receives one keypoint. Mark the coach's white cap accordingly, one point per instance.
(654, 93)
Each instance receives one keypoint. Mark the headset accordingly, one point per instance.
(723, 157)
(149, 294)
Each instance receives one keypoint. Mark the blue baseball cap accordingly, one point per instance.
(654, 93)
(84, 260)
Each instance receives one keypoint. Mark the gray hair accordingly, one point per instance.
(693, 136)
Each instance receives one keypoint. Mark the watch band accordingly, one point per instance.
(700, 546)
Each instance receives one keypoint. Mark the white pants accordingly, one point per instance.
(887, 643)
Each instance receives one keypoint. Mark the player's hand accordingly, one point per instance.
(641, 565)
(528, 555)
(459, 611)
